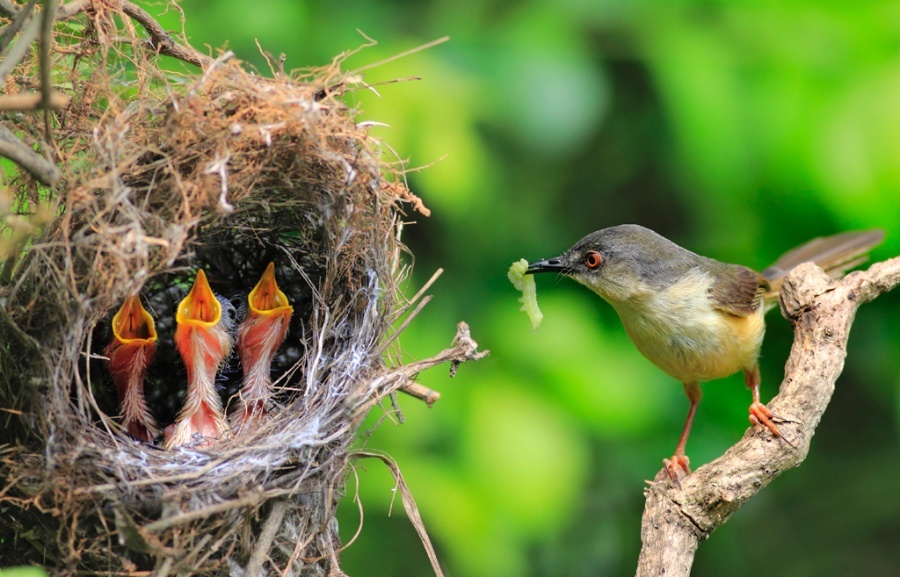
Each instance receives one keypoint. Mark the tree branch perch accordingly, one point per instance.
(676, 519)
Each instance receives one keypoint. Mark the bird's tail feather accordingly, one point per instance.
(835, 254)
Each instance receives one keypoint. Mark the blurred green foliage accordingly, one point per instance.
(738, 129)
(22, 572)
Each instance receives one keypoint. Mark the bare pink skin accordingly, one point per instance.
(204, 341)
(130, 353)
(258, 338)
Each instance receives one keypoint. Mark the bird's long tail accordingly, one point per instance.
(835, 254)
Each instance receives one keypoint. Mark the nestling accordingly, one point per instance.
(204, 340)
(258, 337)
(130, 352)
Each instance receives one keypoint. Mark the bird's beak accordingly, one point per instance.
(132, 323)
(200, 307)
(556, 264)
(266, 298)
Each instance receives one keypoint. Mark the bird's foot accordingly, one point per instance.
(248, 417)
(141, 432)
(761, 415)
(678, 467)
(199, 429)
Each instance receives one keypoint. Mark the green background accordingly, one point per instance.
(737, 129)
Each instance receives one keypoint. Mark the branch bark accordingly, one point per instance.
(677, 519)
(161, 41)
(39, 167)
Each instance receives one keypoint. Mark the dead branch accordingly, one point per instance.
(161, 41)
(676, 519)
(421, 392)
(462, 349)
(13, 149)
(33, 101)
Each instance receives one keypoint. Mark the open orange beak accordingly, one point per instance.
(200, 307)
(266, 299)
(132, 324)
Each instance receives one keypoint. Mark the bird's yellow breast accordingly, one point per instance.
(682, 333)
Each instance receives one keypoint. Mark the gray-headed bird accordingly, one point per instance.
(203, 339)
(258, 337)
(695, 318)
(130, 352)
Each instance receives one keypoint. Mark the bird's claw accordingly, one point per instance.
(678, 467)
(761, 415)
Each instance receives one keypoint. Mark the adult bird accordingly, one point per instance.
(129, 354)
(203, 338)
(695, 318)
(258, 337)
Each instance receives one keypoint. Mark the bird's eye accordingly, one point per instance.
(593, 259)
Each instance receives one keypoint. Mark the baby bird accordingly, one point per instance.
(203, 338)
(130, 352)
(258, 337)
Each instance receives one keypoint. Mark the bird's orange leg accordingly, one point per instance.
(679, 466)
(759, 413)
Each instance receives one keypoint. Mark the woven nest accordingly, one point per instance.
(163, 174)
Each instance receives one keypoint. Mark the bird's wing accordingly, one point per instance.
(738, 291)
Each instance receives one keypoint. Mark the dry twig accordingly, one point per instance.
(13, 149)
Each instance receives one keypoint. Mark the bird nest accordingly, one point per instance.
(162, 174)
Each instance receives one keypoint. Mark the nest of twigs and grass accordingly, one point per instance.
(141, 176)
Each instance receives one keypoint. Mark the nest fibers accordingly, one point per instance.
(163, 175)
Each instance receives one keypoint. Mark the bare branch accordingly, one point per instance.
(463, 349)
(17, 52)
(266, 536)
(9, 8)
(421, 392)
(676, 519)
(21, 16)
(28, 26)
(47, 18)
(13, 149)
(160, 39)
(32, 101)
(70, 9)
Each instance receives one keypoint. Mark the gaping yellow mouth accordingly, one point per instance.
(265, 298)
(200, 307)
(132, 323)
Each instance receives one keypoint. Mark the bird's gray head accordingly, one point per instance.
(620, 262)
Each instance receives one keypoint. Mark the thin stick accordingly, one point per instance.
(412, 511)
(264, 543)
(421, 392)
(33, 100)
(20, 18)
(46, 41)
(422, 290)
(403, 325)
(160, 39)
(403, 54)
(30, 31)
(183, 518)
